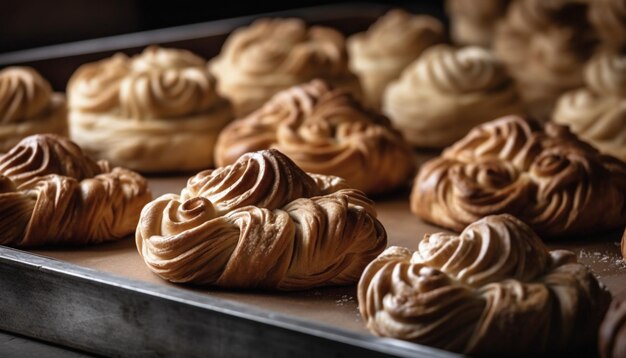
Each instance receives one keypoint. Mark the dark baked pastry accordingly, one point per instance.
(494, 289)
(261, 223)
(51, 193)
(612, 337)
(546, 176)
(326, 131)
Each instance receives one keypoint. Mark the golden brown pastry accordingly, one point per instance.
(261, 223)
(325, 131)
(597, 112)
(52, 193)
(609, 19)
(379, 55)
(271, 55)
(472, 22)
(28, 106)
(494, 289)
(155, 112)
(547, 177)
(612, 335)
(448, 91)
(545, 44)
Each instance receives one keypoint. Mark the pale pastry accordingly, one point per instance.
(261, 223)
(609, 19)
(326, 131)
(472, 22)
(271, 55)
(545, 44)
(28, 106)
(597, 112)
(547, 177)
(51, 193)
(155, 112)
(448, 91)
(495, 289)
(379, 55)
(612, 335)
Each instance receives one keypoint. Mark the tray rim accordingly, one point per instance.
(23, 260)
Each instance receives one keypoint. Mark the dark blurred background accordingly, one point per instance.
(33, 23)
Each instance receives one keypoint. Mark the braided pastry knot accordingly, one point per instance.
(323, 130)
(546, 176)
(261, 222)
(51, 193)
(493, 289)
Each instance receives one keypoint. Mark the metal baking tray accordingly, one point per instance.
(102, 299)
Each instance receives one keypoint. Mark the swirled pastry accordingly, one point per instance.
(473, 22)
(271, 55)
(52, 193)
(597, 113)
(547, 177)
(379, 55)
(325, 131)
(448, 91)
(494, 289)
(609, 19)
(545, 45)
(155, 112)
(261, 223)
(28, 106)
(612, 335)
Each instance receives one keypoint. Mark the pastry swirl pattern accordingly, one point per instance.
(28, 106)
(545, 45)
(597, 112)
(545, 176)
(326, 131)
(153, 105)
(379, 55)
(261, 223)
(271, 55)
(448, 91)
(478, 292)
(51, 193)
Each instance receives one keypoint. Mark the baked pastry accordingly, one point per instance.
(545, 45)
(155, 112)
(597, 113)
(495, 289)
(326, 131)
(52, 193)
(612, 337)
(473, 22)
(261, 223)
(28, 106)
(608, 17)
(624, 245)
(546, 176)
(448, 91)
(271, 55)
(379, 55)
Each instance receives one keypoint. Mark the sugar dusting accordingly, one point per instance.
(603, 261)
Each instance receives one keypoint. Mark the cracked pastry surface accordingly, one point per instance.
(545, 176)
(597, 112)
(545, 45)
(28, 106)
(479, 292)
(264, 223)
(271, 55)
(448, 91)
(326, 131)
(155, 112)
(52, 193)
(378, 55)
